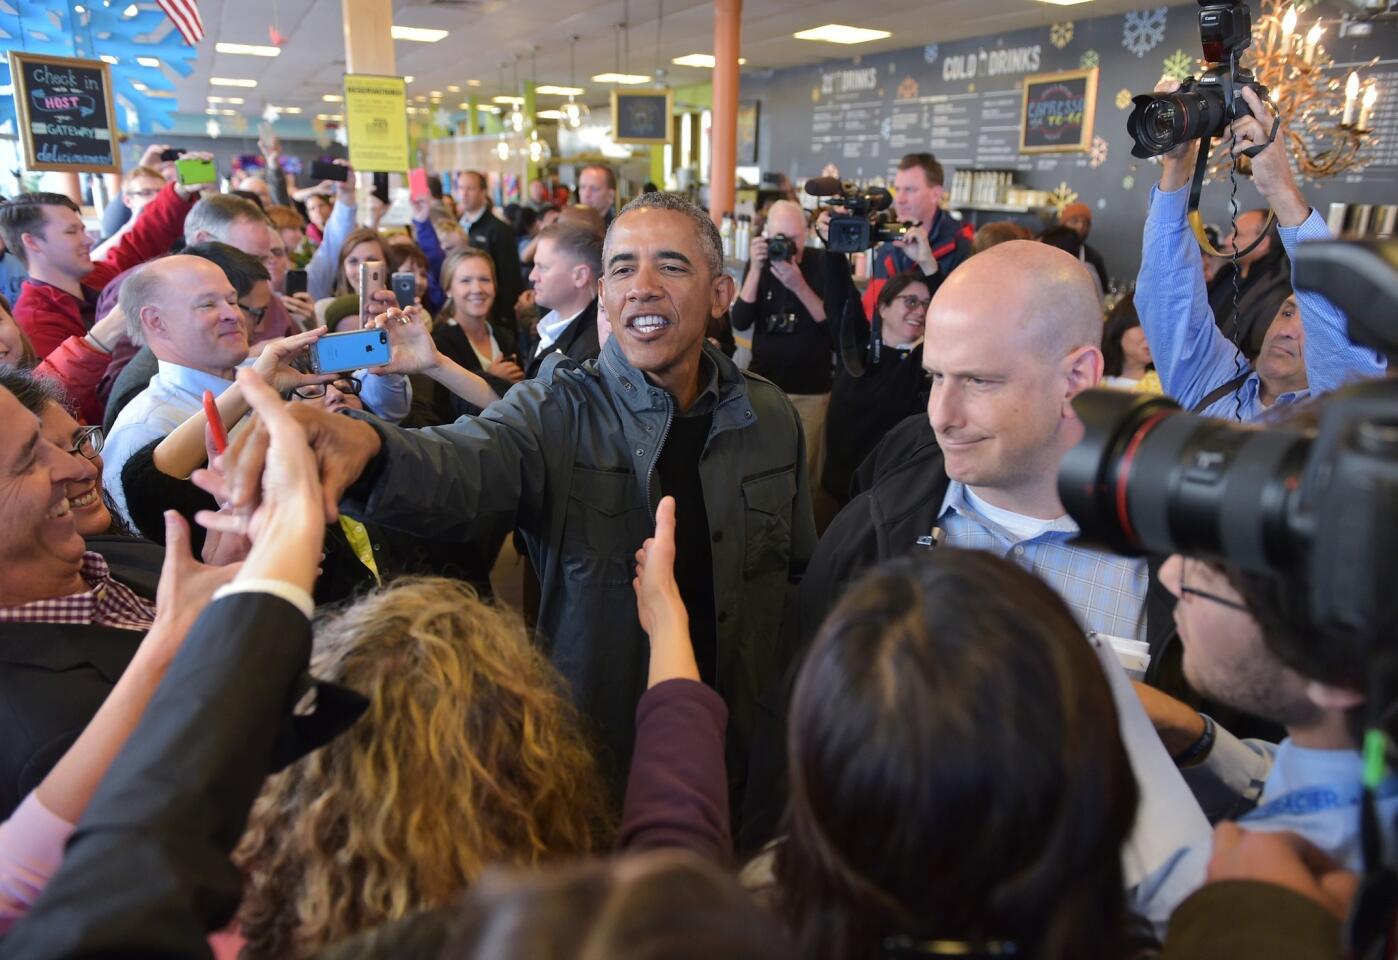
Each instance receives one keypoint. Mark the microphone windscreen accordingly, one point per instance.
(824, 187)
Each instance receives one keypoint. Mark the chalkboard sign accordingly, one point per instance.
(642, 116)
(66, 119)
(1058, 112)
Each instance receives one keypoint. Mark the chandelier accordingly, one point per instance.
(1324, 121)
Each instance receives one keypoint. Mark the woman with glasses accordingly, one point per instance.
(893, 387)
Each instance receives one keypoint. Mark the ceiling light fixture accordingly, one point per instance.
(473, 83)
(551, 115)
(289, 110)
(130, 11)
(575, 114)
(420, 34)
(508, 101)
(148, 61)
(840, 33)
(236, 100)
(231, 82)
(453, 88)
(702, 60)
(552, 89)
(332, 98)
(108, 58)
(409, 78)
(622, 78)
(248, 49)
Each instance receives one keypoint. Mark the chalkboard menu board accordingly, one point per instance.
(642, 117)
(65, 113)
(1057, 113)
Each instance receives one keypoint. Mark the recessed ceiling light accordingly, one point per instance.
(557, 91)
(1063, 3)
(333, 98)
(420, 98)
(473, 83)
(248, 49)
(420, 34)
(330, 116)
(409, 78)
(237, 100)
(453, 88)
(130, 11)
(231, 82)
(463, 106)
(148, 61)
(624, 78)
(550, 115)
(108, 58)
(510, 100)
(839, 33)
(700, 60)
(291, 110)
(436, 93)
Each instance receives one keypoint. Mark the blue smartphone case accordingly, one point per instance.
(338, 352)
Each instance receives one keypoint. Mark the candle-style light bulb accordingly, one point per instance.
(1351, 96)
(1371, 96)
(1288, 28)
(1312, 40)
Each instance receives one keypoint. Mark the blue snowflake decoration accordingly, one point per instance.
(1143, 30)
(930, 53)
(8, 123)
(143, 94)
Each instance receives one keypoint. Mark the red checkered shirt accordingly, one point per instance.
(107, 604)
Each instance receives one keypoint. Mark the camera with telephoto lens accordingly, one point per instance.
(863, 220)
(780, 248)
(1318, 508)
(1200, 108)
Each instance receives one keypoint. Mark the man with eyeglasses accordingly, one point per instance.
(1249, 644)
(141, 186)
(782, 301)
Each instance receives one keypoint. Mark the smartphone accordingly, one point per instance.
(381, 187)
(174, 153)
(322, 170)
(405, 289)
(352, 350)
(194, 170)
(372, 278)
(417, 183)
(295, 282)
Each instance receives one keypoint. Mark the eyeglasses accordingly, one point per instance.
(255, 313)
(1186, 590)
(913, 303)
(143, 194)
(87, 442)
(346, 385)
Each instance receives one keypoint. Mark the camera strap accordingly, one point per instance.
(1196, 187)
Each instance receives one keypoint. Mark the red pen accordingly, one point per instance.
(216, 428)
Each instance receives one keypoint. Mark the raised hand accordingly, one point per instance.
(273, 364)
(186, 585)
(410, 344)
(658, 604)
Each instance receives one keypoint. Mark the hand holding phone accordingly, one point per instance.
(295, 282)
(322, 170)
(417, 183)
(352, 350)
(372, 278)
(195, 171)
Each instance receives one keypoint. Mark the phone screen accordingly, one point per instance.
(192, 170)
(295, 282)
(353, 350)
(417, 183)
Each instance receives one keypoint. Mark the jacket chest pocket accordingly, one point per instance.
(767, 522)
(603, 528)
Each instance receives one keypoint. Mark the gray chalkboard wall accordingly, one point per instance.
(961, 100)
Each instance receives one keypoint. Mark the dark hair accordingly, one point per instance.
(25, 214)
(408, 253)
(955, 770)
(611, 174)
(1123, 317)
(249, 196)
(480, 178)
(894, 288)
(243, 270)
(522, 219)
(998, 231)
(1064, 238)
(927, 163)
(576, 242)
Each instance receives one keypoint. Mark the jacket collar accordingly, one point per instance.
(733, 408)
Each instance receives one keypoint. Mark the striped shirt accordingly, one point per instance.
(107, 604)
(1105, 591)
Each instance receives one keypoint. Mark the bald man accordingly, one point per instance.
(186, 309)
(782, 301)
(1004, 368)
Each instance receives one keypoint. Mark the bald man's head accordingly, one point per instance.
(787, 219)
(186, 309)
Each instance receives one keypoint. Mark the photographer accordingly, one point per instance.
(783, 302)
(1198, 365)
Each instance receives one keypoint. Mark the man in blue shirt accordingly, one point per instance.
(1198, 365)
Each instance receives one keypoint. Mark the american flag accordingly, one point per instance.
(185, 15)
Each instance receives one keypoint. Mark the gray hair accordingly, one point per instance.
(215, 215)
(709, 238)
(139, 288)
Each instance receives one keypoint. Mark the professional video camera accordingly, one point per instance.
(1201, 108)
(1322, 508)
(864, 221)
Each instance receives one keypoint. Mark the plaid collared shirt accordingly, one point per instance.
(1106, 592)
(107, 604)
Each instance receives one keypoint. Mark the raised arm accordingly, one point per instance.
(320, 272)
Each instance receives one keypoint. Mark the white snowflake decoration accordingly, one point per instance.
(1123, 99)
(341, 136)
(213, 129)
(1098, 154)
(886, 127)
(1101, 203)
(1143, 30)
(1178, 65)
(442, 117)
(930, 52)
(1062, 196)
(1127, 182)
(1061, 34)
(1089, 60)
(271, 114)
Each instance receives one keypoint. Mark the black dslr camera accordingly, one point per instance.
(1203, 107)
(1318, 508)
(865, 221)
(780, 248)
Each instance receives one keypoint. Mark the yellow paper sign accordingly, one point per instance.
(376, 119)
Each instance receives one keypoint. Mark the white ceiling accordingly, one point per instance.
(488, 33)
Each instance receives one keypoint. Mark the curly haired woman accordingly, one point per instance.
(470, 754)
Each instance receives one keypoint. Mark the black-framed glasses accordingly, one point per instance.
(910, 302)
(255, 313)
(350, 386)
(87, 442)
(1186, 590)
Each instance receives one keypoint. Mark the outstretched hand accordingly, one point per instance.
(1285, 860)
(186, 585)
(658, 603)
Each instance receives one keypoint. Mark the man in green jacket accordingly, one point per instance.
(578, 460)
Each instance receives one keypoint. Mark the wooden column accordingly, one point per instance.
(728, 16)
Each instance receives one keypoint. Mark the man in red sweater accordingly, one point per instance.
(45, 231)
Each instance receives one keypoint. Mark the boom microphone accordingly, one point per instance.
(825, 187)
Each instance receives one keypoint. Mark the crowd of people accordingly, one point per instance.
(810, 662)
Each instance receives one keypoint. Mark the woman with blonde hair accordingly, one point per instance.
(469, 754)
